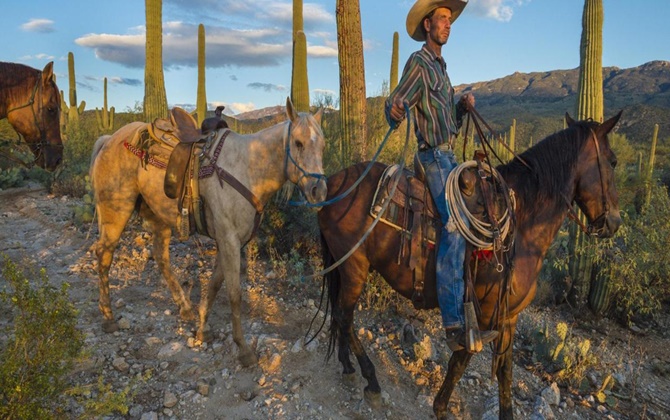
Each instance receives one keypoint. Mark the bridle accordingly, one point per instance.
(37, 90)
(288, 157)
(601, 221)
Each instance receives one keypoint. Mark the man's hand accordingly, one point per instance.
(397, 110)
(468, 101)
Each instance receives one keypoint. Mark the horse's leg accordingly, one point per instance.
(161, 246)
(227, 267)
(504, 371)
(349, 295)
(112, 219)
(457, 363)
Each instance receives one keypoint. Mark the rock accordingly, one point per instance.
(552, 394)
(170, 349)
(152, 415)
(297, 346)
(124, 324)
(542, 410)
(151, 341)
(203, 388)
(120, 364)
(169, 399)
(275, 362)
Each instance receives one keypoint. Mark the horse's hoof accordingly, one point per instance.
(109, 326)
(374, 399)
(349, 379)
(187, 314)
(247, 358)
(204, 336)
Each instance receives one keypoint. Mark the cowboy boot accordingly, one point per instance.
(456, 337)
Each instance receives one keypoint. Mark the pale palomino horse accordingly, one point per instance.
(262, 162)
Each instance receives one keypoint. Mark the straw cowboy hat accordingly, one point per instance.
(423, 7)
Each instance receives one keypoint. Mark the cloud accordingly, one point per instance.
(268, 87)
(38, 25)
(225, 47)
(252, 33)
(40, 56)
(124, 81)
(500, 10)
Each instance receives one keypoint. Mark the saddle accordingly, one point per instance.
(413, 213)
(180, 131)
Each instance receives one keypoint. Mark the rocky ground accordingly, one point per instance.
(171, 376)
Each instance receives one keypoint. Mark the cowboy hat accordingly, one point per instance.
(422, 8)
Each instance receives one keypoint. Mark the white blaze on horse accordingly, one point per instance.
(247, 171)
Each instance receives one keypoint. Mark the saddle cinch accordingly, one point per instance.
(181, 133)
(413, 213)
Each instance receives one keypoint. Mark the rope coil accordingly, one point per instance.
(455, 199)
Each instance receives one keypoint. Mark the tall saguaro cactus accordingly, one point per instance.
(352, 81)
(393, 80)
(72, 111)
(589, 105)
(512, 140)
(155, 99)
(299, 81)
(650, 170)
(201, 100)
(105, 117)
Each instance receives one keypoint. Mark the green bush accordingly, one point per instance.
(38, 345)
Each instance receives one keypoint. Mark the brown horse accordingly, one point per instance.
(30, 100)
(259, 163)
(573, 165)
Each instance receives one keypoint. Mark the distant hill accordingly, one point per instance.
(643, 93)
(539, 101)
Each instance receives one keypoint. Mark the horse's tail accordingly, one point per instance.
(332, 281)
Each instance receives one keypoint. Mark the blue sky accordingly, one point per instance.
(249, 44)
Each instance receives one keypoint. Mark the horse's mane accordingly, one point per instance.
(552, 162)
(12, 74)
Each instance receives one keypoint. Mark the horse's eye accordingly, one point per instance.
(51, 109)
(299, 145)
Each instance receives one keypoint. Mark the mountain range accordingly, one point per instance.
(538, 101)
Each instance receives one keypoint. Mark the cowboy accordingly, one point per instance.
(425, 87)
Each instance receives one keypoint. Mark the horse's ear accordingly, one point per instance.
(48, 73)
(608, 125)
(569, 120)
(319, 115)
(291, 113)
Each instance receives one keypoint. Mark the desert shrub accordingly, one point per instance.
(39, 344)
(638, 268)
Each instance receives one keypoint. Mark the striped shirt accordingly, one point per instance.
(425, 86)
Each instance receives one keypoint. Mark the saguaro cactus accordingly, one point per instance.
(650, 170)
(589, 105)
(512, 140)
(105, 116)
(393, 80)
(201, 100)
(72, 111)
(299, 80)
(155, 99)
(352, 81)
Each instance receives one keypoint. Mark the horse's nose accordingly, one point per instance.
(613, 223)
(319, 191)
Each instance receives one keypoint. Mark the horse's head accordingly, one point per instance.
(36, 118)
(595, 192)
(304, 153)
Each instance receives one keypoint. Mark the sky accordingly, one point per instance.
(248, 44)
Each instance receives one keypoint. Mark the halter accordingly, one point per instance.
(287, 157)
(601, 220)
(30, 103)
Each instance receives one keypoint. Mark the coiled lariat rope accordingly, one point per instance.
(456, 201)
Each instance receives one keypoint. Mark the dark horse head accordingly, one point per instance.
(595, 192)
(30, 100)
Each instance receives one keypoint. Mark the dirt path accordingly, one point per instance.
(155, 356)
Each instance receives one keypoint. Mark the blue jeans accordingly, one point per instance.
(451, 248)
